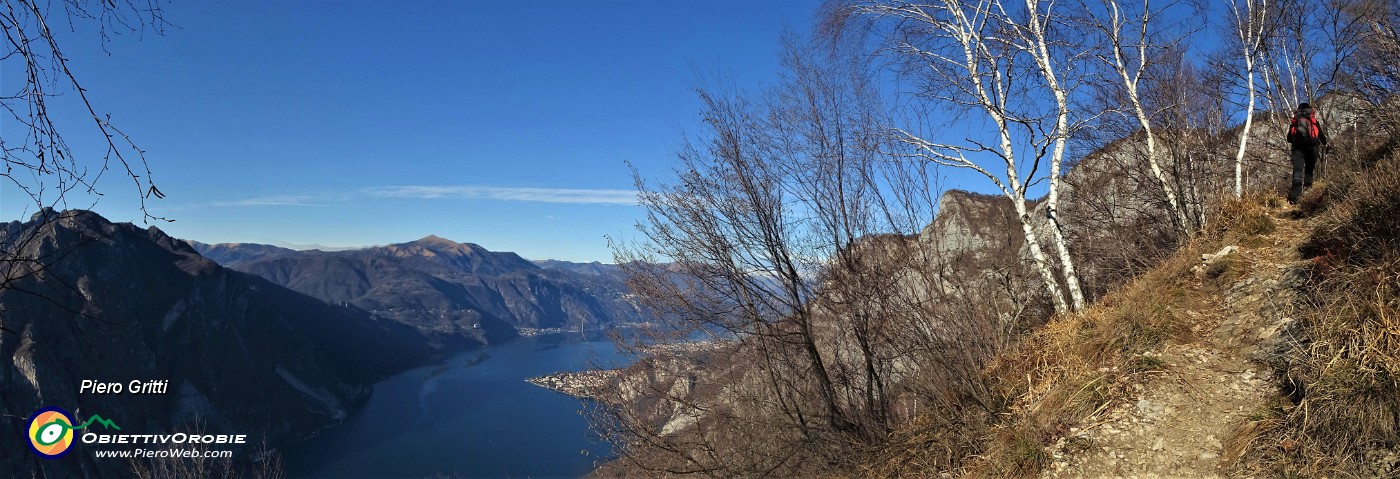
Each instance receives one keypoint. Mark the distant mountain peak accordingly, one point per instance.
(442, 245)
(434, 245)
(73, 217)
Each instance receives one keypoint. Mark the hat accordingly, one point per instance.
(1304, 106)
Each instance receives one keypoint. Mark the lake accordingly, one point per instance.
(472, 415)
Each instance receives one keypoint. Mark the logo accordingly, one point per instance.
(51, 431)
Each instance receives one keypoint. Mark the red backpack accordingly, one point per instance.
(1304, 127)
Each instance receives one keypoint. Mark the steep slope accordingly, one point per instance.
(457, 293)
(1199, 393)
(117, 303)
(981, 292)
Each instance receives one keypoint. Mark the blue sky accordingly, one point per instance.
(354, 123)
(346, 123)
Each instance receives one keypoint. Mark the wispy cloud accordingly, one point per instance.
(543, 195)
(281, 200)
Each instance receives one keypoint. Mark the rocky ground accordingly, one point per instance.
(1184, 416)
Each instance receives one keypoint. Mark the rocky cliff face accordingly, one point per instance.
(1114, 214)
(118, 303)
(456, 293)
(1118, 225)
(973, 224)
(970, 266)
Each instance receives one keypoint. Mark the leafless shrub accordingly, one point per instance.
(789, 237)
(190, 462)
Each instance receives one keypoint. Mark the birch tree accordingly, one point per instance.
(1315, 41)
(1280, 75)
(1249, 24)
(1188, 98)
(1128, 48)
(1372, 71)
(999, 64)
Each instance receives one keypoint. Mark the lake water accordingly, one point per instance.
(472, 415)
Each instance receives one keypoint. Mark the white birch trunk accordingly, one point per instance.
(1130, 84)
(1042, 264)
(1052, 200)
(1183, 225)
(1244, 133)
(988, 91)
(1250, 29)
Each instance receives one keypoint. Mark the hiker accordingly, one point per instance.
(1307, 136)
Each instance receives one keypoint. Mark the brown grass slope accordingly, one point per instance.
(1309, 298)
(1340, 368)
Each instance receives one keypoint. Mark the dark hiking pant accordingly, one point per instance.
(1304, 159)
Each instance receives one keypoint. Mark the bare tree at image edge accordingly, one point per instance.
(38, 161)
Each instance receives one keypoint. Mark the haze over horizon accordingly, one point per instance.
(503, 124)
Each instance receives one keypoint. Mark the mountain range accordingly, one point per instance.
(111, 302)
(457, 294)
(273, 343)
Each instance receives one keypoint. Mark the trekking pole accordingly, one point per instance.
(1322, 161)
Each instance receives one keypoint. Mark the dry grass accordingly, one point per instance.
(1345, 363)
(1246, 218)
(926, 446)
(1079, 366)
(1342, 371)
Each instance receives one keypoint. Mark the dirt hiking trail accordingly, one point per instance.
(1183, 416)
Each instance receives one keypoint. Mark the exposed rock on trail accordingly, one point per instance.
(1182, 416)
